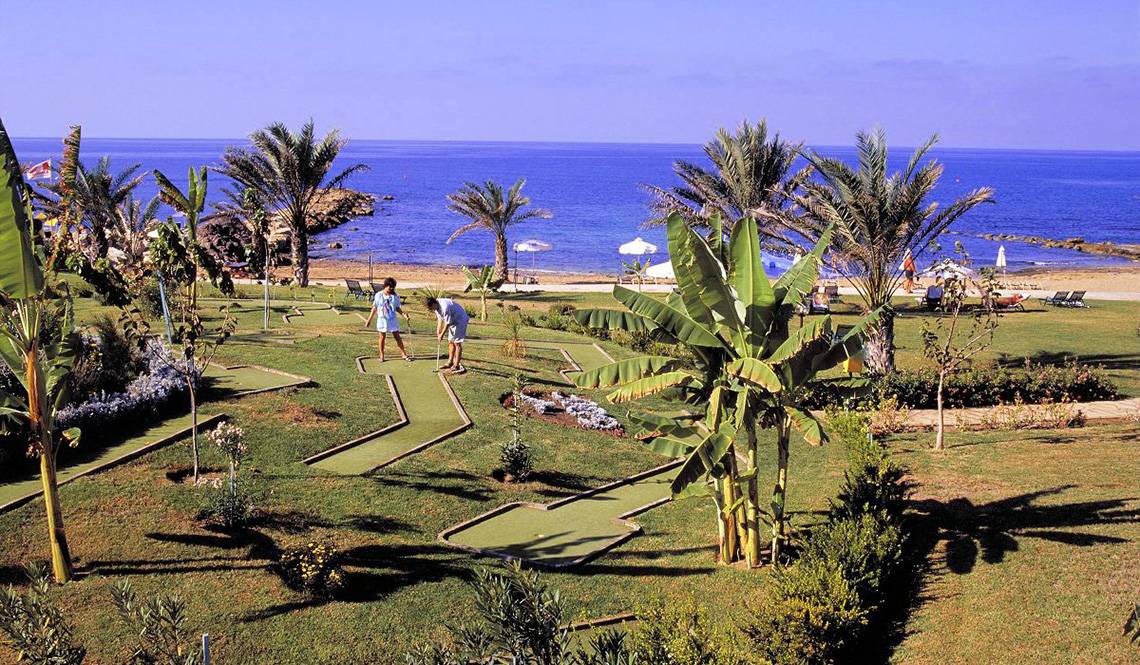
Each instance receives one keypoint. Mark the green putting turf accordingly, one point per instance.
(564, 533)
(221, 384)
(431, 414)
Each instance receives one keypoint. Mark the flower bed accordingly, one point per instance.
(568, 410)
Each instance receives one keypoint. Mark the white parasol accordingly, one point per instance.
(661, 271)
(637, 247)
(531, 247)
(1000, 263)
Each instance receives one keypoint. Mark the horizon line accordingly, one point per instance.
(580, 142)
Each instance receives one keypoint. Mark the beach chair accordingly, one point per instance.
(1075, 299)
(376, 288)
(933, 298)
(832, 292)
(1057, 298)
(354, 289)
(817, 303)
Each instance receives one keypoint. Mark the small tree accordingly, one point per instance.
(33, 627)
(160, 623)
(943, 342)
(229, 439)
(636, 269)
(484, 283)
(514, 454)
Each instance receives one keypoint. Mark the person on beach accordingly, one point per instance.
(909, 269)
(385, 307)
(452, 319)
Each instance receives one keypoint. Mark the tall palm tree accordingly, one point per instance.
(95, 198)
(290, 171)
(133, 221)
(489, 208)
(751, 171)
(877, 217)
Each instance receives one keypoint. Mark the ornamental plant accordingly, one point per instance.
(313, 568)
(748, 370)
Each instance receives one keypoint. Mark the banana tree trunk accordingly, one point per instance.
(501, 256)
(483, 306)
(299, 245)
(752, 512)
(780, 492)
(60, 554)
(879, 345)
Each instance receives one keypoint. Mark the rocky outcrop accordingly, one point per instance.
(1127, 251)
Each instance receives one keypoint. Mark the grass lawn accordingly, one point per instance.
(1058, 590)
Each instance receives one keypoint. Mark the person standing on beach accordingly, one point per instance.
(385, 307)
(452, 319)
(909, 269)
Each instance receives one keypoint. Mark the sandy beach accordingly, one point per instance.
(1114, 279)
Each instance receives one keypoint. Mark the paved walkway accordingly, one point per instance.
(1107, 411)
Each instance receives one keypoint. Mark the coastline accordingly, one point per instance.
(1122, 278)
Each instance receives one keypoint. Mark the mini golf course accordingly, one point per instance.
(568, 532)
(222, 382)
(428, 409)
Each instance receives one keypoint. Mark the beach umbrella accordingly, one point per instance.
(947, 269)
(532, 247)
(637, 247)
(661, 271)
(1000, 263)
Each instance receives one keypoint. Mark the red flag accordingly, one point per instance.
(39, 171)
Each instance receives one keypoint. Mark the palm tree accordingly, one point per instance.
(96, 197)
(489, 208)
(133, 221)
(290, 171)
(877, 217)
(750, 172)
(749, 370)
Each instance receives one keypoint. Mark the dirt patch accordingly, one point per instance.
(556, 416)
(184, 475)
(303, 415)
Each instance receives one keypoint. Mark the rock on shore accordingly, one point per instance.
(1078, 244)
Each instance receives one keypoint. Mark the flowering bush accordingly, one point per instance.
(586, 412)
(145, 397)
(313, 568)
(229, 439)
(540, 406)
(1049, 415)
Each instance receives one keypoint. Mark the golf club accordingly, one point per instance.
(438, 342)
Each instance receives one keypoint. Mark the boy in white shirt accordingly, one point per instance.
(452, 318)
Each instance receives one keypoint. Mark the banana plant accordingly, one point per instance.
(484, 283)
(747, 373)
(42, 363)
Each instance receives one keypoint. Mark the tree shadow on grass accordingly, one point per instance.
(373, 572)
(988, 532)
(452, 483)
(1124, 361)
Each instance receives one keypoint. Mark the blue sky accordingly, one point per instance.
(1040, 74)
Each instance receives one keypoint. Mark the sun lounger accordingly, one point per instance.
(1057, 298)
(354, 289)
(1075, 299)
(816, 303)
(376, 288)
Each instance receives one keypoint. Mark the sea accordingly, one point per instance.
(596, 193)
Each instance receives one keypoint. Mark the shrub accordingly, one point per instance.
(865, 548)
(888, 417)
(147, 396)
(682, 633)
(555, 321)
(160, 624)
(1033, 384)
(514, 454)
(230, 506)
(874, 489)
(562, 309)
(810, 613)
(313, 568)
(33, 626)
(107, 362)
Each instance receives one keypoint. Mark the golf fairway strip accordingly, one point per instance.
(224, 383)
(567, 532)
(420, 397)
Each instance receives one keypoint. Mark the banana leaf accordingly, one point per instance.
(753, 289)
(701, 279)
(702, 459)
(20, 274)
(806, 424)
(676, 323)
(624, 371)
(613, 319)
(757, 372)
(651, 385)
(670, 447)
(799, 279)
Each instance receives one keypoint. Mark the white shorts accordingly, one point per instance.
(457, 332)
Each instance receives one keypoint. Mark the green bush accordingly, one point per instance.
(865, 548)
(810, 614)
(107, 361)
(32, 626)
(872, 489)
(562, 309)
(682, 633)
(1032, 384)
